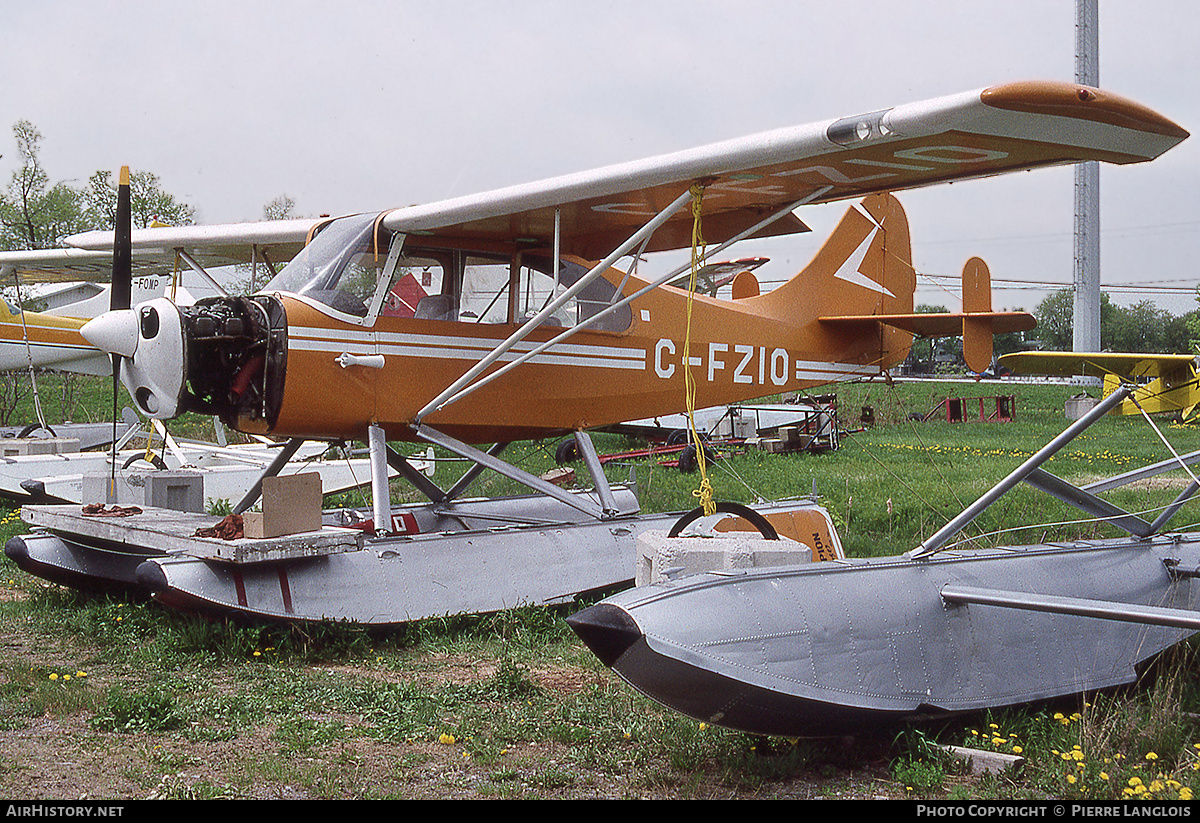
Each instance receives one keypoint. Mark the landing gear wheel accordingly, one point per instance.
(745, 512)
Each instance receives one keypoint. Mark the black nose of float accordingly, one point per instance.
(607, 630)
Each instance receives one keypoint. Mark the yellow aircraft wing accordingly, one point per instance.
(1172, 382)
(1097, 364)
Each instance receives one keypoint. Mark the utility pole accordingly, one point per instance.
(1087, 191)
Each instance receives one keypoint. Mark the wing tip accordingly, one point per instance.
(1078, 101)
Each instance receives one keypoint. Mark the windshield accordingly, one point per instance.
(339, 267)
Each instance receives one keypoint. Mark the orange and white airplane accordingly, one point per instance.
(506, 315)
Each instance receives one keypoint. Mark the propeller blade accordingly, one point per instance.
(121, 290)
(122, 273)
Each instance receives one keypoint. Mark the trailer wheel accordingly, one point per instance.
(567, 452)
(689, 461)
(745, 512)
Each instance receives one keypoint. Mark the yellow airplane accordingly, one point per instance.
(1167, 382)
(505, 315)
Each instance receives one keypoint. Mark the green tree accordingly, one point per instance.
(149, 204)
(33, 213)
(1142, 327)
(1055, 321)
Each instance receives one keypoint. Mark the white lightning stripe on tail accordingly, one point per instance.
(849, 272)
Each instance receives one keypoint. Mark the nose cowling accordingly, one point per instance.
(149, 338)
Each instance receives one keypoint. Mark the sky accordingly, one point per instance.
(366, 104)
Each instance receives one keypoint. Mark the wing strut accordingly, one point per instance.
(600, 315)
(598, 270)
(490, 461)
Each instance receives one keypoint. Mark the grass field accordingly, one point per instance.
(110, 697)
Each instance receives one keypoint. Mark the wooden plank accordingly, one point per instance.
(157, 531)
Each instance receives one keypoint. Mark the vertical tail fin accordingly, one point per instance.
(977, 299)
(863, 270)
(865, 278)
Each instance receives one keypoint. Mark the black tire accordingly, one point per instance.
(154, 460)
(678, 437)
(745, 512)
(567, 452)
(32, 427)
(688, 460)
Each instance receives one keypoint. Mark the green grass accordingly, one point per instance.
(512, 706)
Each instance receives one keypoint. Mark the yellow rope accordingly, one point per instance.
(704, 492)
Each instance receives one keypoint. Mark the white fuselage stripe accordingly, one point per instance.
(460, 348)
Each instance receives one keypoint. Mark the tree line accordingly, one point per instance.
(1140, 328)
(37, 214)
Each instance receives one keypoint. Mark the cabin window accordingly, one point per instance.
(538, 285)
(484, 296)
(490, 293)
(416, 290)
(339, 268)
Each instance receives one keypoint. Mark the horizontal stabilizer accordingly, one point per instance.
(940, 324)
(977, 323)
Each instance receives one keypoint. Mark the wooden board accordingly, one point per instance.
(158, 531)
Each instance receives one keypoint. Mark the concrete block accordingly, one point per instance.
(19, 446)
(290, 505)
(981, 761)
(1078, 406)
(179, 490)
(660, 556)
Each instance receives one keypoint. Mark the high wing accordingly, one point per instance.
(162, 250)
(750, 182)
(975, 134)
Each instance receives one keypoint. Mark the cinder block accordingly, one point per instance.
(177, 490)
(660, 556)
(1078, 406)
(18, 446)
(290, 505)
(180, 490)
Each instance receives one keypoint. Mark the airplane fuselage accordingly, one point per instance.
(595, 379)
